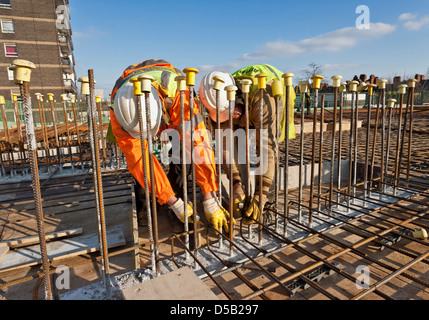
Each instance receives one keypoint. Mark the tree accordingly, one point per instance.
(312, 70)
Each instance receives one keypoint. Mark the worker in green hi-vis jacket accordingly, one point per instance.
(269, 145)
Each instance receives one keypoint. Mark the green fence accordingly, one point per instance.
(420, 98)
(10, 112)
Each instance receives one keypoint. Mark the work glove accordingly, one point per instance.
(217, 215)
(178, 209)
(252, 213)
(239, 200)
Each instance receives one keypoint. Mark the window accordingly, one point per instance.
(5, 4)
(10, 50)
(10, 74)
(7, 26)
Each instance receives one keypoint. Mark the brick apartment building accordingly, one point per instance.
(38, 31)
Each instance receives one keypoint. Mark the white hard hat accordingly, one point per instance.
(208, 95)
(126, 113)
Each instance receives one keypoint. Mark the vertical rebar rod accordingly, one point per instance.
(152, 179)
(278, 102)
(98, 183)
(368, 131)
(398, 142)
(101, 131)
(356, 140)
(301, 157)
(340, 142)
(261, 164)
(374, 143)
(54, 123)
(410, 133)
(219, 149)
(334, 127)
(5, 125)
(32, 151)
(77, 134)
(389, 128)
(184, 171)
(231, 180)
(351, 136)
(68, 134)
(401, 151)
(194, 180)
(45, 131)
(313, 160)
(286, 163)
(383, 136)
(321, 142)
(145, 181)
(7, 138)
(44, 136)
(20, 137)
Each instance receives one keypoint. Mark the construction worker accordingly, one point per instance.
(165, 103)
(207, 96)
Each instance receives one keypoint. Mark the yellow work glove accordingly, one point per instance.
(217, 215)
(239, 200)
(179, 211)
(253, 212)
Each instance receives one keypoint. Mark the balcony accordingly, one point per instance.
(67, 65)
(70, 84)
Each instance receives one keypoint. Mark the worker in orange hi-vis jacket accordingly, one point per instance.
(165, 104)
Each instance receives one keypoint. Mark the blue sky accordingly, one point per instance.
(224, 35)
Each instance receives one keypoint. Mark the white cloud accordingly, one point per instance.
(406, 16)
(337, 40)
(334, 41)
(412, 24)
(346, 66)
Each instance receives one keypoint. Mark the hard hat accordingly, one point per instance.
(126, 113)
(208, 94)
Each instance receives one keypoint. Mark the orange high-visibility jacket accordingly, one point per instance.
(164, 74)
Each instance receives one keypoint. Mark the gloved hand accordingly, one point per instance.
(217, 215)
(253, 212)
(239, 200)
(178, 209)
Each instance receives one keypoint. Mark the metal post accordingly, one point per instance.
(368, 131)
(313, 159)
(288, 86)
(32, 151)
(146, 86)
(352, 90)
(390, 105)
(231, 98)
(190, 81)
(342, 89)
(320, 173)
(138, 94)
(382, 86)
(277, 91)
(64, 98)
(402, 90)
(336, 84)
(411, 85)
(262, 78)
(97, 177)
(22, 74)
(54, 123)
(303, 85)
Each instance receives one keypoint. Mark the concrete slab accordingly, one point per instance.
(181, 284)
